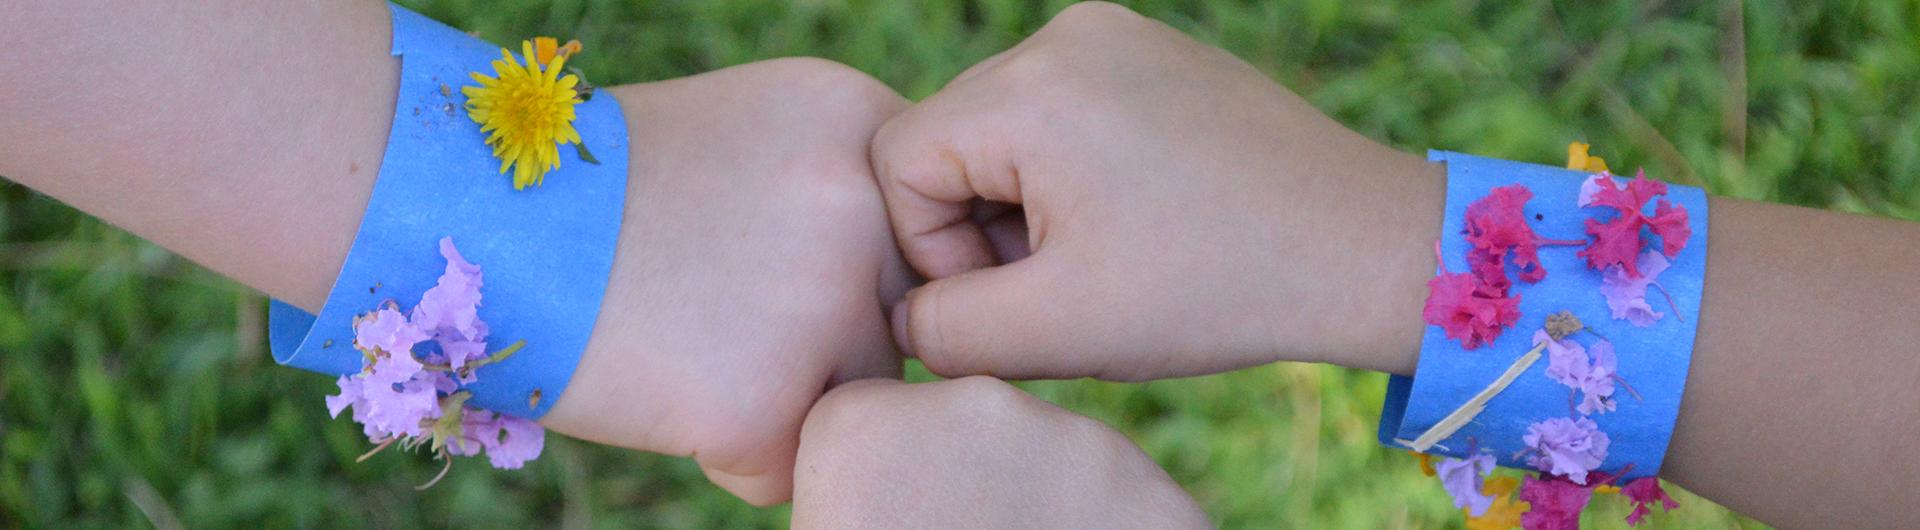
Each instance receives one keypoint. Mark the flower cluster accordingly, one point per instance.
(416, 399)
(1475, 307)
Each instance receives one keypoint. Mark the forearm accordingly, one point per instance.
(1804, 394)
(242, 135)
(1804, 390)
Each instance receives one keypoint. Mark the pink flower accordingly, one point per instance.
(1496, 225)
(1617, 242)
(1463, 479)
(1556, 504)
(1566, 447)
(1643, 492)
(1593, 185)
(1467, 310)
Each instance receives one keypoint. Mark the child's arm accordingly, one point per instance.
(973, 453)
(1188, 216)
(753, 260)
(242, 135)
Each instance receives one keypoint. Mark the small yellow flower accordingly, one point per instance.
(1426, 464)
(545, 49)
(1505, 512)
(527, 111)
(1606, 488)
(1577, 158)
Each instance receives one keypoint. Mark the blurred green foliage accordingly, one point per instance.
(137, 390)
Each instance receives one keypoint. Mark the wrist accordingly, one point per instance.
(1372, 321)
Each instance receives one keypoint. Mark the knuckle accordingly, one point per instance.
(927, 340)
(836, 85)
(1096, 14)
(843, 414)
(990, 397)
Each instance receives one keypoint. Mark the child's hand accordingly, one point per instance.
(1185, 215)
(973, 453)
(751, 272)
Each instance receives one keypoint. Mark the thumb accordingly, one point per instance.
(1030, 319)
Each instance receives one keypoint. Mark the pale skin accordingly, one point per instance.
(752, 266)
(1182, 215)
(1185, 215)
(973, 453)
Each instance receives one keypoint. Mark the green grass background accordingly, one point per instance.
(137, 390)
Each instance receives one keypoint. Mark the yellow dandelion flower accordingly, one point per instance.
(1577, 158)
(527, 112)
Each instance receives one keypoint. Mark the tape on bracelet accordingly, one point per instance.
(547, 250)
(1561, 328)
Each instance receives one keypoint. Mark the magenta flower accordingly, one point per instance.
(1618, 241)
(1593, 185)
(1556, 504)
(1470, 311)
(1644, 492)
(1566, 447)
(1463, 479)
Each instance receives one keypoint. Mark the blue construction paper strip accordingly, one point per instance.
(1654, 360)
(546, 252)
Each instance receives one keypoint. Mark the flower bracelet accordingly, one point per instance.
(422, 362)
(1561, 325)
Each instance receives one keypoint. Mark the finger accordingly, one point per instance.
(1007, 234)
(1030, 319)
(769, 488)
(932, 160)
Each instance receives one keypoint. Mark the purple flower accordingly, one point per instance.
(397, 397)
(1567, 360)
(452, 305)
(388, 331)
(1596, 388)
(509, 441)
(1566, 447)
(1589, 372)
(1627, 296)
(1463, 479)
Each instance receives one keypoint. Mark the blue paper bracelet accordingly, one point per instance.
(547, 251)
(1652, 360)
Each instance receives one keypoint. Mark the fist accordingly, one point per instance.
(1180, 214)
(750, 274)
(973, 453)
